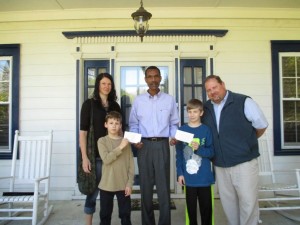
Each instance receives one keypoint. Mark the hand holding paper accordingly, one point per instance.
(133, 137)
(184, 136)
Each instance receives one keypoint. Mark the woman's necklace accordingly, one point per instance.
(105, 104)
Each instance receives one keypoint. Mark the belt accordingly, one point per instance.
(155, 138)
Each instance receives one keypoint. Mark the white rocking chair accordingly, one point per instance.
(30, 171)
(284, 196)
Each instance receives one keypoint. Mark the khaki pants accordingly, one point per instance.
(238, 189)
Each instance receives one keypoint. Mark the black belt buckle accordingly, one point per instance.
(155, 138)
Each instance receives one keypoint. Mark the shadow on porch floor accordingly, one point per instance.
(71, 213)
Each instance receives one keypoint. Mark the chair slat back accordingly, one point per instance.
(34, 156)
(265, 160)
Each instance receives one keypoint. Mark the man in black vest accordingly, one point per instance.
(236, 122)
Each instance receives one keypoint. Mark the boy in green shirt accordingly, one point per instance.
(117, 171)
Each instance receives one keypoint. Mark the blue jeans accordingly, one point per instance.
(90, 201)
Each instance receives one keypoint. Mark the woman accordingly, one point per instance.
(104, 100)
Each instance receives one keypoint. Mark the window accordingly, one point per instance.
(286, 96)
(5, 93)
(9, 97)
(290, 98)
(193, 73)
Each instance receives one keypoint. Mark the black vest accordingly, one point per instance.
(236, 141)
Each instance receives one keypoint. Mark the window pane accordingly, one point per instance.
(164, 72)
(91, 76)
(131, 76)
(187, 94)
(289, 113)
(90, 92)
(185, 115)
(4, 80)
(289, 88)
(198, 93)
(187, 75)
(298, 88)
(291, 118)
(4, 70)
(198, 75)
(288, 66)
(289, 132)
(298, 132)
(4, 126)
(130, 91)
(4, 91)
(163, 89)
(298, 66)
(101, 70)
(297, 110)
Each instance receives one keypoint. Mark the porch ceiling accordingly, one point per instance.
(30, 5)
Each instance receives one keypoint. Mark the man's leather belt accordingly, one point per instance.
(155, 138)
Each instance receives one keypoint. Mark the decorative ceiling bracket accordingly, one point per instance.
(131, 33)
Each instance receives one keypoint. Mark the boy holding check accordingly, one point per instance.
(193, 165)
(117, 171)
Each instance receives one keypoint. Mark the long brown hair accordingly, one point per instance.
(112, 96)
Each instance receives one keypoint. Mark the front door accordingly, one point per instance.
(92, 68)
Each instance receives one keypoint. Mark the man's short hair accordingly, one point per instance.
(113, 115)
(216, 77)
(194, 104)
(152, 68)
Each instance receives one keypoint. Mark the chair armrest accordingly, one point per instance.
(287, 171)
(37, 182)
(41, 178)
(6, 177)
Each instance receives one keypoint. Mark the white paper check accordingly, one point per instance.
(132, 137)
(184, 136)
